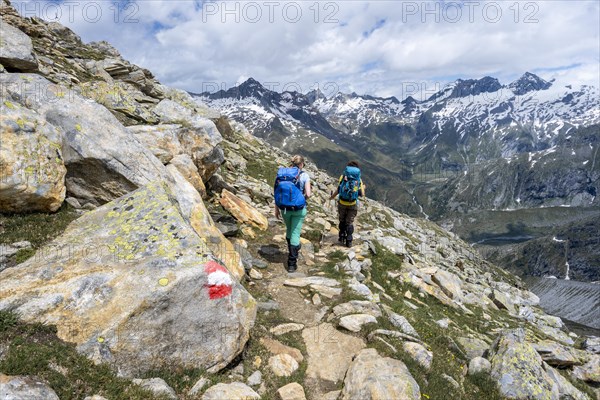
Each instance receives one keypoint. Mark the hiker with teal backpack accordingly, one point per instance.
(292, 188)
(350, 186)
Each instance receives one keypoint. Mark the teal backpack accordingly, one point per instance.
(350, 184)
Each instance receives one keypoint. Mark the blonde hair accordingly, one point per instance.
(296, 161)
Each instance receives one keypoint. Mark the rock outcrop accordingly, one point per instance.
(134, 275)
(16, 49)
(374, 377)
(32, 170)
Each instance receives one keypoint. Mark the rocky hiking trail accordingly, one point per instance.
(142, 261)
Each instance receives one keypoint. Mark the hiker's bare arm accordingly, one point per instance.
(307, 190)
(334, 193)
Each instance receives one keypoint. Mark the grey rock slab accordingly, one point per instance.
(329, 354)
(291, 391)
(157, 386)
(556, 354)
(16, 49)
(419, 353)
(357, 307)
(517, 368)
(25, 387)
(566, 389)
(102, 164)
(231, 391)
(198, 386)
(255, 379)
(473, 347)
(355, 322)
(371, 377)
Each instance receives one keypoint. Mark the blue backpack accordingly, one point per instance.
(350, 184)
(288, 193)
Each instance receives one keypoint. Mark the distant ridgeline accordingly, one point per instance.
(478, 156)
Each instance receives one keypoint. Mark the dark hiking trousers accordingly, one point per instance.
(346, 217)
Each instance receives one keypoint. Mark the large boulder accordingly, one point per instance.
(518, 368)
(132, 284)
(103, 160)
(162, 140)
(374, 377)
(32, 171)
(330, 354)
(186, 167)
(199, 136)
(243, 211)
(195, 212)
(16, 49)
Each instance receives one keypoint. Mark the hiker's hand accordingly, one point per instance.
(277, 213)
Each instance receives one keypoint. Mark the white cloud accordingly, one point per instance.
(377, 47)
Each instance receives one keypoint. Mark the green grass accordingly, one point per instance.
(34, 349)
(37, 228)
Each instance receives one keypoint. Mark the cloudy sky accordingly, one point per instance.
(379, 47)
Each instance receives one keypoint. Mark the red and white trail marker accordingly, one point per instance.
(219, 281)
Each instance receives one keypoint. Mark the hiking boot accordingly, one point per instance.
(348, 243)
(292, 264)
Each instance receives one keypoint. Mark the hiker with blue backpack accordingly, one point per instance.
(292, 188)
(350, 186)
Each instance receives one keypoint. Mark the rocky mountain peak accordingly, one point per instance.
(527, 83)
(314, 95)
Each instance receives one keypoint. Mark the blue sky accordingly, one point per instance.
(381, 47)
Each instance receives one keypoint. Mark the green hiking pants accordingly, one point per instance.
(293, 223)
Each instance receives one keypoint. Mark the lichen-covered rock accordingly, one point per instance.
(194, 210)
(243, 211)
(590, 371)
(162, 140)
(32, 170)
(131, 283)
(103, 160)
(373, 377)
(231, 391)
(16, 49)
(120, 98)
(186, 167)
(25, 387)
(200, 137)
(566, 390)
(558, 355)
(517, 368)
(473, 347)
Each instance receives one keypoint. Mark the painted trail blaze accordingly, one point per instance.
(219, 281)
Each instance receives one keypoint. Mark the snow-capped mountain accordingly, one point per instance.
(467, 124)
(528, 114)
